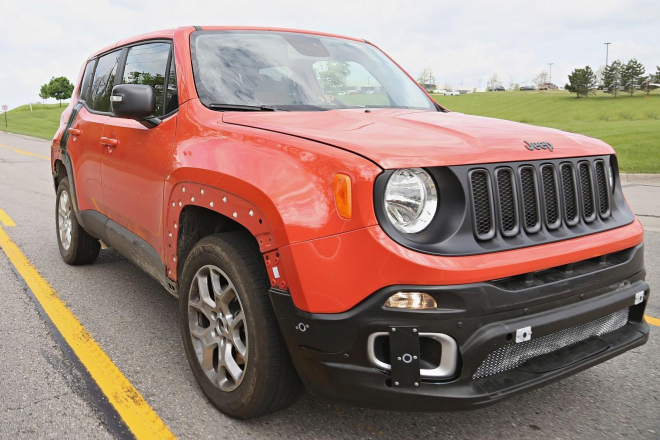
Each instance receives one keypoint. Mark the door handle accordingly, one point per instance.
(74, 131)
(109, 142)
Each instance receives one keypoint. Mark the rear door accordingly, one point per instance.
(134, 170)
(83, 145)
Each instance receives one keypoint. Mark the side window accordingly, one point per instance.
(172, 95)
(87, 76)
(147, 64)
(104, 80)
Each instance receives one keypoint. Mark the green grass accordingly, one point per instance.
(630, 125)
(41, 122)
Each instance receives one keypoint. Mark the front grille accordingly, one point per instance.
(506, 193)
(514, 355)
(603, 193)
(569, 192)
(550, 197)
(482, 203)
(586, 188)
(532, 197)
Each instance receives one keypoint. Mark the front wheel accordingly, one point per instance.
(230, 333)
(76, 245)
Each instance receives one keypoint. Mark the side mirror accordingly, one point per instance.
(134, 101)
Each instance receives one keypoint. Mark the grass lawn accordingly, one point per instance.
(630, 125)
(41, 122)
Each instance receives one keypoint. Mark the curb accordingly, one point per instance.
(639, 178)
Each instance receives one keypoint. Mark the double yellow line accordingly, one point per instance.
(136, 413)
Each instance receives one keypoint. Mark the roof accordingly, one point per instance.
(169, 33)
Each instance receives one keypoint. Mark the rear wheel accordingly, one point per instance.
(76, 245)
(229, 329)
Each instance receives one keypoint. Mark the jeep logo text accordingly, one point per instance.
(531, 146)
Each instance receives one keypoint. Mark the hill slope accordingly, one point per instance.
(41, 122)
(630, 125)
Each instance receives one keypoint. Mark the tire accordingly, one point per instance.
(235, 328)
(76, 245)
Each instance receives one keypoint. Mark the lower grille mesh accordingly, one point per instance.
(514, 355)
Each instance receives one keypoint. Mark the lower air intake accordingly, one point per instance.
(514, 355)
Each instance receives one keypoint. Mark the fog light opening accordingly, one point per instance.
(411, 300)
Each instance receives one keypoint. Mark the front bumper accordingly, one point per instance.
(330, 351)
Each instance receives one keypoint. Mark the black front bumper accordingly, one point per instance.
(330, 350)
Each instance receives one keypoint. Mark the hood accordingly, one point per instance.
(395, 138)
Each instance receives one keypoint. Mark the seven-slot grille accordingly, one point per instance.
(532, 196)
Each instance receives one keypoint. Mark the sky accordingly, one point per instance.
(464, 42)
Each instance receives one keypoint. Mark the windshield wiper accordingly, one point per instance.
(244, 108)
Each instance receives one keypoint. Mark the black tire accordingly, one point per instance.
(82, 247)
(269, 381)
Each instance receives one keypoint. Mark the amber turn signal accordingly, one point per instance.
(411, 300)
(343, 197)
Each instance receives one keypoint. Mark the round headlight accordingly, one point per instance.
(411, 200)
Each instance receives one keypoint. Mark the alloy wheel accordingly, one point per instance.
(64, 220)
(218, 328)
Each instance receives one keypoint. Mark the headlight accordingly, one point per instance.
(411, 200)
(610, 175)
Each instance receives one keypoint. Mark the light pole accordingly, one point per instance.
(550, 64)
(607, 52)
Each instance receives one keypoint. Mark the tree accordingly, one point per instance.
(541, 78)
(426, 77)
(582, 82)
(612, 78)
(632, 74)
(60, 88)
(493, 82)
(333, 78)
(44, 93)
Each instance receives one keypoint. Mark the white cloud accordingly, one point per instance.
(463, 41)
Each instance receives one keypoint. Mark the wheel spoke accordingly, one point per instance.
(230, 363)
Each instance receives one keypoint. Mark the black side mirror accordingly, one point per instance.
(134, 101)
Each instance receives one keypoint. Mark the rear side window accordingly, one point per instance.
(147, 64)
(87, 76)
(104, 80)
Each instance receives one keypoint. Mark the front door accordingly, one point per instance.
(134, 157)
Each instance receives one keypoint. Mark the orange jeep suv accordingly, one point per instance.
(324, 222)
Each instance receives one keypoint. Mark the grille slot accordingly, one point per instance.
(508, 201)
(482, 205)
(514, 355)
(603, 189)
(550, 197)
(570, 194)
(530, 199)
(587, 192)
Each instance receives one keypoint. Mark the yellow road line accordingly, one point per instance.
(5, 219)
(653, 321)
(27, 153)
(140, 418)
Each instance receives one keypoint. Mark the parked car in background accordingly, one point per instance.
(527, 88)
(376, 248)
(452, 92)
(548, 86)
(498, 89)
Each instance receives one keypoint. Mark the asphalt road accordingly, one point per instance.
(43, 393)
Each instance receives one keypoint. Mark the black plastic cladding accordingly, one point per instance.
(452, 231)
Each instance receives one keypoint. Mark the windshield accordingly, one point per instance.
(291, 71)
